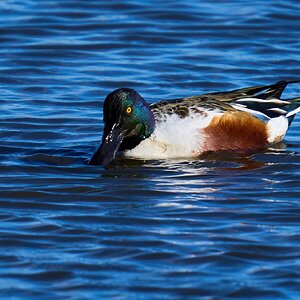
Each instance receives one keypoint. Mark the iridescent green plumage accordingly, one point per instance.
(127, 121)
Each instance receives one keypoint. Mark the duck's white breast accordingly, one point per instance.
(173, 138)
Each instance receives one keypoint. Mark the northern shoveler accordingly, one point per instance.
(241, 120)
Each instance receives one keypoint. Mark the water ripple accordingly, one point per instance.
(222, 227)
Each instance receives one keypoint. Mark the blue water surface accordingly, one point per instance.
(223, 227)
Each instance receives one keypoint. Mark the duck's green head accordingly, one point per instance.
(128, 120)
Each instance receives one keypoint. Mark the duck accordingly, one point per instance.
(242, 120)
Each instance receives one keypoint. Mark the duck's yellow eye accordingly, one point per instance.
(128, 110)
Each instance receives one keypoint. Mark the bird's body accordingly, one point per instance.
(191, 136)
(173, 137)
(241, 120)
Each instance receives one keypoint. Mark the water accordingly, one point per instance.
(225, 227)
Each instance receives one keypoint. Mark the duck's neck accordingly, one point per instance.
(130, 142)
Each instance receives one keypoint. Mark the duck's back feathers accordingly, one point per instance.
(270, 91)
(194, 106)
(258, 100)
(261, 100)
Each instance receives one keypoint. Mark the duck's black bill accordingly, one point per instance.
(111, 142)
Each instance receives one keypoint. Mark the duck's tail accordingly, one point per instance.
(279, 125)
(266, 102)
(292, 109)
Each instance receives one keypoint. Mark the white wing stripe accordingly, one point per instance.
(293, 112)
(276, 101)
(279, 110)
(255, 112)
